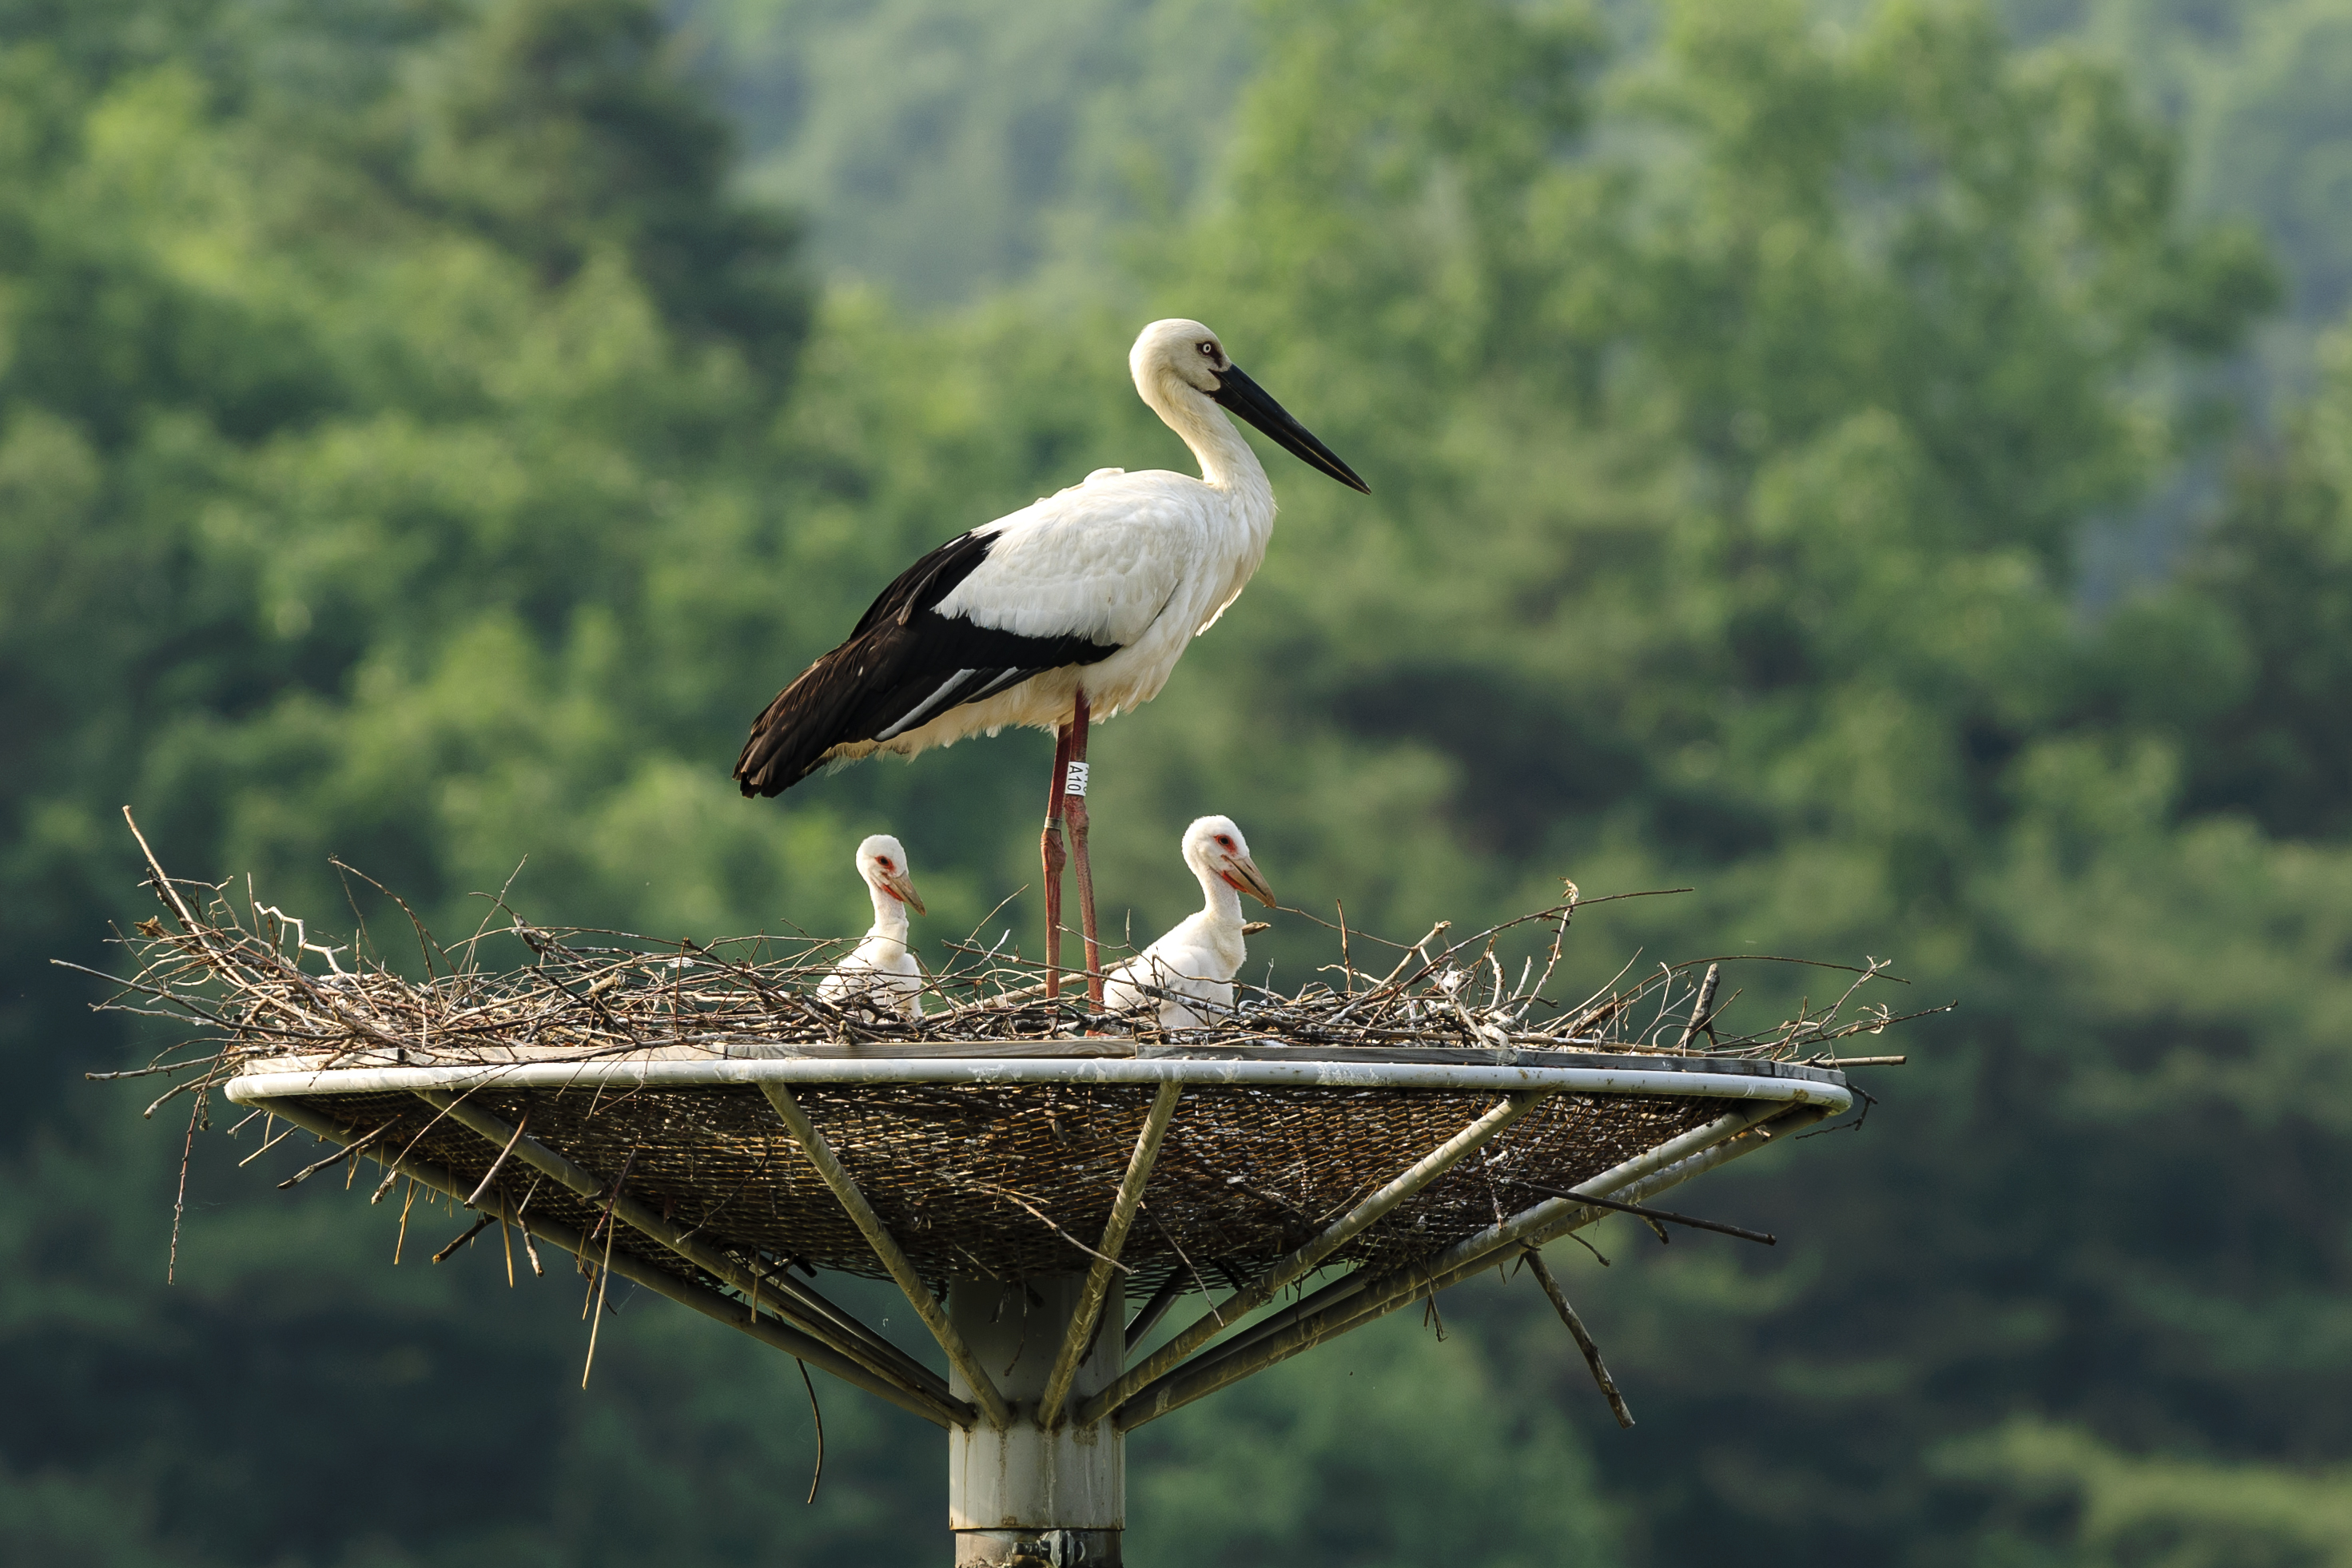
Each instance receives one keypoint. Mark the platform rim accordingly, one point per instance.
(1703, 1078)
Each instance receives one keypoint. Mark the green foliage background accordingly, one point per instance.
(1882, 466)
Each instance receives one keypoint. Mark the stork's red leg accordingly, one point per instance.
(1050, 847)
(1074, 806)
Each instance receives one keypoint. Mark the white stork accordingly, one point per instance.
(881, 975)
(1078, 607)
(1198, 959)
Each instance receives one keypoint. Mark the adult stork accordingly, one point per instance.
(1074, 609)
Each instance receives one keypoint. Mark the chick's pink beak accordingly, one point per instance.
(897, 884)
(1241, 874)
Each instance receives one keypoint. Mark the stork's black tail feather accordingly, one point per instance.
(789, 738)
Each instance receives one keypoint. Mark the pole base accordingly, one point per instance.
(1019, 1548)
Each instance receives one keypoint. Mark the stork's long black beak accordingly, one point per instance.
(1254, 404)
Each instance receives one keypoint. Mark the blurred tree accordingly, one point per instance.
(397, 462)
(555, 125)
(2274, 141)
(2271, 586)
(953, 146)
(1389, 1449)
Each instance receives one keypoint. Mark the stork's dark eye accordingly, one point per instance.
(883, 861)
(1225, 841)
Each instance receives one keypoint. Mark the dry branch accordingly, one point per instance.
(1582, 1336)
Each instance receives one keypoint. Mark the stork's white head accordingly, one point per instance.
(1214, 848)
(882, 862)
(1175, 353)
(1176, 363)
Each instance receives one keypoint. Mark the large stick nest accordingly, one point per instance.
(1002, 1180)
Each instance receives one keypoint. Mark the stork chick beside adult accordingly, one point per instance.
(1190, 971)
(881, 975)
(1071, 610)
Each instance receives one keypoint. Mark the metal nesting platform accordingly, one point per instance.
(1071, 1176)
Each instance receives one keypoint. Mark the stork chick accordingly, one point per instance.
(1197, 960)
(881, 976)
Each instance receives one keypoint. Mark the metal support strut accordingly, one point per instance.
(1354, 1301)
(709, 1303)
(812, 1313)
(1122, 1215)
(1298, 1265)
(894, 1258)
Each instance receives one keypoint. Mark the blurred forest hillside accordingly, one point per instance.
(430, 429)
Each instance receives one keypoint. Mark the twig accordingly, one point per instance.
(492, 1173)
(1041, 1217)
(481, 1224)
(268, 1145)
(818, 1416)
(137, 1072)
(613, 1197)
(347, 1152)
(1184, 1257)
(1582, 1336)
(529, 1250)
(163, 883)
(180, 1197)
(603, 1274)
(1652, 1216)
(1703, 1010)
(401, 1240)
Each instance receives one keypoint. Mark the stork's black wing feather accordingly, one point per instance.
(904, 665)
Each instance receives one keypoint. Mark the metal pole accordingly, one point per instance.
(894, 1258)
(1028, 1494)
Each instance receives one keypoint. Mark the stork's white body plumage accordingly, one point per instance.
(1142, 562)
(1189, 972)
(881, 974)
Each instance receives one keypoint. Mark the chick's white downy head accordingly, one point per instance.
(882, 862)
(1215, 849)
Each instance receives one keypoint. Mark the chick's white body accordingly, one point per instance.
(1188, 974)
(881, 976)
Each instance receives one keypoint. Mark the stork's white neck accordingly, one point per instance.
(1226, 461)
(889, 916)
(1219, 903)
